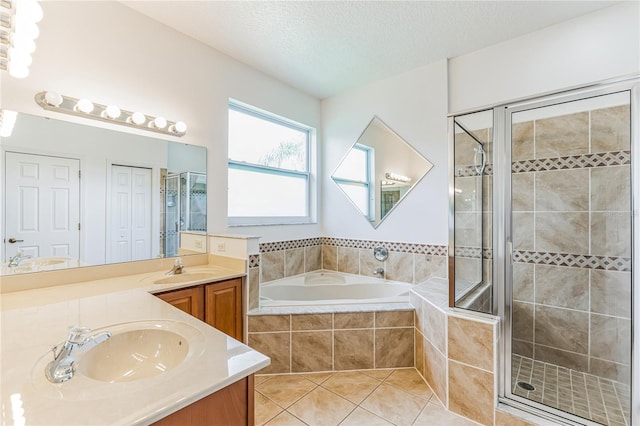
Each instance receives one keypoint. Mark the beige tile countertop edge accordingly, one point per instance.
(33, 321)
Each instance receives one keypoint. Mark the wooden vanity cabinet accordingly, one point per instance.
(218, 304)
(189, 300)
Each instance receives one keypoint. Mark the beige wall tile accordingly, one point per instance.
(311, 322)
(353, 320)
(311, 351)
(471, 342)
(368, 263)
(522, 141)
(435, 371)
(435, 326)
(611, 188)
(348, 260)
(276, 346)
(394, 347)
(394, 319)
(522, 192)
(427, 266)
(522, 231)
(293, 262)
(562, 232)
(259, 323)
(330, 258)
(312, 258)
(610, 370)
(562, 328)
(523, 282)
(468, 229)
(611, 293)
(562, 190)
(399, 267)
(560, 357)
(610, 338)
(254, 288)
(522, 321)
(419, 352)
(271, 266)
(468, 269)
(562, 286)
(611, 234)
(562, 135)
(611, 129)
(522, 347)
(466, 187)
(471, 393)
(353, 349)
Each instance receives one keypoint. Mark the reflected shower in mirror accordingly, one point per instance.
(379, 171)
(78, 195)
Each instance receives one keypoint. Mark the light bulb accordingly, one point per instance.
(179, 127)
(84, 105)
(17, 70)
(29, 10)
(53, 99)
(112, 112)
(159, 123)
(137, 118)
(26, 29)
(23, 44)
(19, 57)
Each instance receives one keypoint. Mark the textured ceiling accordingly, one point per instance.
(325, 47)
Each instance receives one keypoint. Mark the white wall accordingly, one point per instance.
(598, 46)
(111, 54)
(414, 105)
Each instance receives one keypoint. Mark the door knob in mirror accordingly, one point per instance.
(13, 241)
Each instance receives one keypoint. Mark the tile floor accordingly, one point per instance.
(585, 395)
(354, 398)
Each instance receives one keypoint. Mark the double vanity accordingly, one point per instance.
(150, 362)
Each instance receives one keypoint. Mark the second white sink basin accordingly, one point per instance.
(134, 355)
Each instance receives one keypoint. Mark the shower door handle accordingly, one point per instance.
(510, 251)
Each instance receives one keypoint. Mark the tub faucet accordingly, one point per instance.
(63, 365)
(378, 272)
(19, 257)
(178, 267)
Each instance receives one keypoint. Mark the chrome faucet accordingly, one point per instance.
(19, 257)
(378, 272)
(63, 365)
(178, 267)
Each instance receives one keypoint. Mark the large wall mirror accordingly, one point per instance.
(379, 171)
(77, 195)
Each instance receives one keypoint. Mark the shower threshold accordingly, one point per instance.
(595, 398)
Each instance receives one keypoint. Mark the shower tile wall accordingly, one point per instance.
(571, 233)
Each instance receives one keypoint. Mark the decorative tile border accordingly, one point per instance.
(474, 252)
(254, 260)
(290, 244)
(610, 263)
(470, 171)
(429, 249)
(602, 159)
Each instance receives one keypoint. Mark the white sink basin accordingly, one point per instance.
(134, 355)
(186, 277)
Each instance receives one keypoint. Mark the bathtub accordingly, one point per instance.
(332, 288)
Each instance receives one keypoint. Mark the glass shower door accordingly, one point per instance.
(570, 270)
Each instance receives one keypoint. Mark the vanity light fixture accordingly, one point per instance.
(52, 101)
(397, 177)
(18, 30)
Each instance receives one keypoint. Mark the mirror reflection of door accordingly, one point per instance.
(42, 202)
(129, 236)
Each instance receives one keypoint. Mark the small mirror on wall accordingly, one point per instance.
(379, 170)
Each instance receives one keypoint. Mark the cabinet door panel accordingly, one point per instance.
(189, 300)
(224, 307)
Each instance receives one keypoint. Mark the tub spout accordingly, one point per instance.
(378, 272)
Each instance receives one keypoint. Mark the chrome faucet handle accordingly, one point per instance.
(78, 334)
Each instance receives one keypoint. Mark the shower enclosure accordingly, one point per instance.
(542, 201)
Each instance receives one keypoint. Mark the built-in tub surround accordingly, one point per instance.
(334, 341)
(407, 262)
(572, 225)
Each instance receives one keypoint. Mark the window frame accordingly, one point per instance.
(369, 185)
(259, 168)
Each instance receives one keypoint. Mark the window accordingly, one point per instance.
(269, 178)
(354, 176)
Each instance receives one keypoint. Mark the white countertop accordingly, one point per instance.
(32, 322)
